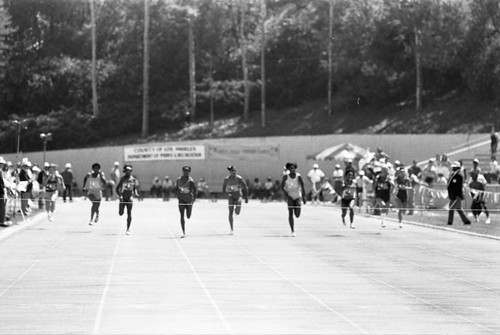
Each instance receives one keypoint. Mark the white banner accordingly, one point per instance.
(164, 152)
(248, 152)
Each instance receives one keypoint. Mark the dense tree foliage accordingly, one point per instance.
(45, 59)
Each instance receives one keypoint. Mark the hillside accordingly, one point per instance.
(453, 113)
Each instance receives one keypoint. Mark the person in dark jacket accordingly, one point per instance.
(67, 175)
(456, 195)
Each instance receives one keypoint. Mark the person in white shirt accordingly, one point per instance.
(494, 169)
(338, 178)
(429, 173)
(315, 176)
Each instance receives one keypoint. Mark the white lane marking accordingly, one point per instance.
(298, 286)
(35, 262)
(463, 318)
(202, 284)
(102, 303)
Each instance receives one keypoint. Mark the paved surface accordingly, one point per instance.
(69, 277)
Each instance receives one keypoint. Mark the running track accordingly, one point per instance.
(69, 277)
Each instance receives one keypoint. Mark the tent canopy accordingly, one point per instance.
(343, 152)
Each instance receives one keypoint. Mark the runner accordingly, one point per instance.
(382, 187)
(126, 189)
(348, 197)
(185, 188)
(51, 183)
(403, 187)
(235, 187)
(93, 184)
(293, 185)
(477, 183)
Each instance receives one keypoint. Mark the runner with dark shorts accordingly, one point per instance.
(293, 186)
(383, 189)
(235, 187)
(93, 184)
(185, 189)
(126, 189)
(348, 197)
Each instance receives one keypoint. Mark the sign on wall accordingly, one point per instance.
(164, 152)
(251, 152)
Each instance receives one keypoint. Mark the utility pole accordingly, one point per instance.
(263, 65)
(145, 69)
(95, 106)
(192, 69)
(330, 59)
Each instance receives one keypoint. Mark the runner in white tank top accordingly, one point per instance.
(293, 185)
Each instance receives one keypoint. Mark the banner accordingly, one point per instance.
(164, 152)
(249, 152)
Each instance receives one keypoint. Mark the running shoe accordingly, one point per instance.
(90, 223)
(51, 217)
(293, 234)
(488, 220)
(231, 232)
(128, 232)
(400, 225)
(183, 235)
(352, 226)
(383, 224)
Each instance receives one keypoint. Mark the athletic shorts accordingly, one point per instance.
(381, 203)
(294, 202)
(347, 203)
(232, 201)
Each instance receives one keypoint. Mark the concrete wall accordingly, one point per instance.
(291, 148)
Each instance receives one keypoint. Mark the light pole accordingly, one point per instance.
(19, 126)
(45, 138)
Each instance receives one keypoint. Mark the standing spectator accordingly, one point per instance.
(477, 184)
(476, 170)
(269, 187)
(429, 174)
(315, 176)
(380, 154)
(415, 173)
(167, 186)
(494, 169)
(26, 178)
(3, 201)
(257, 189)
(156, 189)
(349, 167)
(40, 178)
(494, 140)
(114, 178)
(338, 178)
(456, 195)
(67, 176)
(202, 188)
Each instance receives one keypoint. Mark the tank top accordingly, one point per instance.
(185, 189)
(94, 185)
(383, 189)
(51, 183)
(127, 187)
(234, 186)
(349, 190)
(292, 187)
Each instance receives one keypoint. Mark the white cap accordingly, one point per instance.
(2, 160)
(361, 173)
(117, 163)
(455, 164)
(337, 166)
(476, 160)
(315, 166)
(396, 162)
(68, 166)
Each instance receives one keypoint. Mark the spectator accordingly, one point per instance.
(315, 176)
(202, 188)
(430, 173)
(455, 194)
(3, 201)
(476, 170)
(269, 187)
(494, 169)
(155, 191)
(349, 167)
(415, 173)
(26, 184)
(114, 178)
(166, 187)
(338, 178)
(494, 141)
(257, 188)
(415, 170)
(68, 179)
